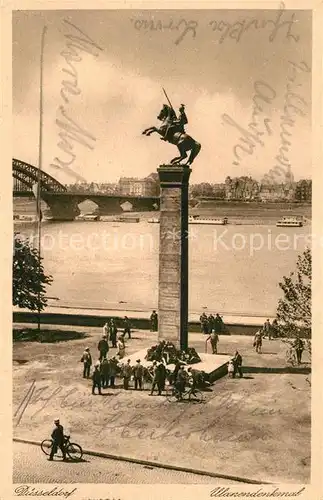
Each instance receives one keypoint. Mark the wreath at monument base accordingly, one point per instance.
(167, 352)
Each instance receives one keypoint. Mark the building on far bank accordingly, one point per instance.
(92, 187)
(303, 190)
(149, 186)
(241, 188)
(277, 192)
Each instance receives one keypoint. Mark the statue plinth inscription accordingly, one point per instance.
(173, 255)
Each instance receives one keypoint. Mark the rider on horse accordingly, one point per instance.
(172, 131)
(175, 124)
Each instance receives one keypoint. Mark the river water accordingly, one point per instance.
(234, 269)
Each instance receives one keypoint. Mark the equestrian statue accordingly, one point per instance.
(172, 130)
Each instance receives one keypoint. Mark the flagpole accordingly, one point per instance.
(40, 163)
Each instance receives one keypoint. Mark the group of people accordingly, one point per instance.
(179, 378)
(211, 323)
(136, 373)
(269, 330)
(110, 330)
(104, 370)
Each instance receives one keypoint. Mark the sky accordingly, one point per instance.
(103, 74)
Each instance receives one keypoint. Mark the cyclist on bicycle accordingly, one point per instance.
(58, 439)
(192, 378)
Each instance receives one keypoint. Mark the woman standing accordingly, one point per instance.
(121, 352)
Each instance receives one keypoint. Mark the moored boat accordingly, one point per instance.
(88, 217)
(195, 219)
(126, 219)
(24, 218)
(290, 222)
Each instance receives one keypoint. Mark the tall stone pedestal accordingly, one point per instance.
(173, 255)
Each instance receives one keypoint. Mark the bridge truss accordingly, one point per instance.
(26, 175)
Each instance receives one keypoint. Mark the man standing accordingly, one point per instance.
(218, 324)
(237, 363)
(103, 347)
(267, 329)
(113, 371)
(154, 321)
(214, 339)
(96, 378)
(113, 333)
(257, 341)
(127, 327)
(105, 372)
(161, 379)
(58, 440)
(299, 348)
(155, 378)
(203, 322)
(138, 372)
(211, 320)
(87, 362)
(127, 371)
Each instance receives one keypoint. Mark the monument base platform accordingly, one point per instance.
(214, 365)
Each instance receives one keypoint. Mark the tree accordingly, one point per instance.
(294, 309)
(202, 189)
(29, 278)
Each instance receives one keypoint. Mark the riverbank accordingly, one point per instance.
(238, 213)
(235, 324)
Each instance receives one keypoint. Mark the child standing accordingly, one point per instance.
(230, 368)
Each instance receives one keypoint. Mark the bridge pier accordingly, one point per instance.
(64, 207)
(144, 204)
(108, 206)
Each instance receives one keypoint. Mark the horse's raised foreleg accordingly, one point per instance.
(149, 130)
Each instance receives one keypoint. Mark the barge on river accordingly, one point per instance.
(290, 222)
(195, 219)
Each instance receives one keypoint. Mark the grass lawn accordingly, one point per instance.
(257, 427)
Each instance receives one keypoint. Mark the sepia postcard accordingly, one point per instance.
(161, 262)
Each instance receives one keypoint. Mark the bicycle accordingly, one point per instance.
(291, 356)
(191, 394)
(73, 450)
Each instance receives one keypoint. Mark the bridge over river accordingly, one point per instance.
(63, 204)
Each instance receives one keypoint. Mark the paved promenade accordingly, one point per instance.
(30, 465)
(235, 432)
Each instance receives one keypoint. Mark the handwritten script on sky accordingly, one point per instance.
(103, 79)
(281, 24)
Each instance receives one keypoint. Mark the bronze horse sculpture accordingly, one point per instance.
(172, 131)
